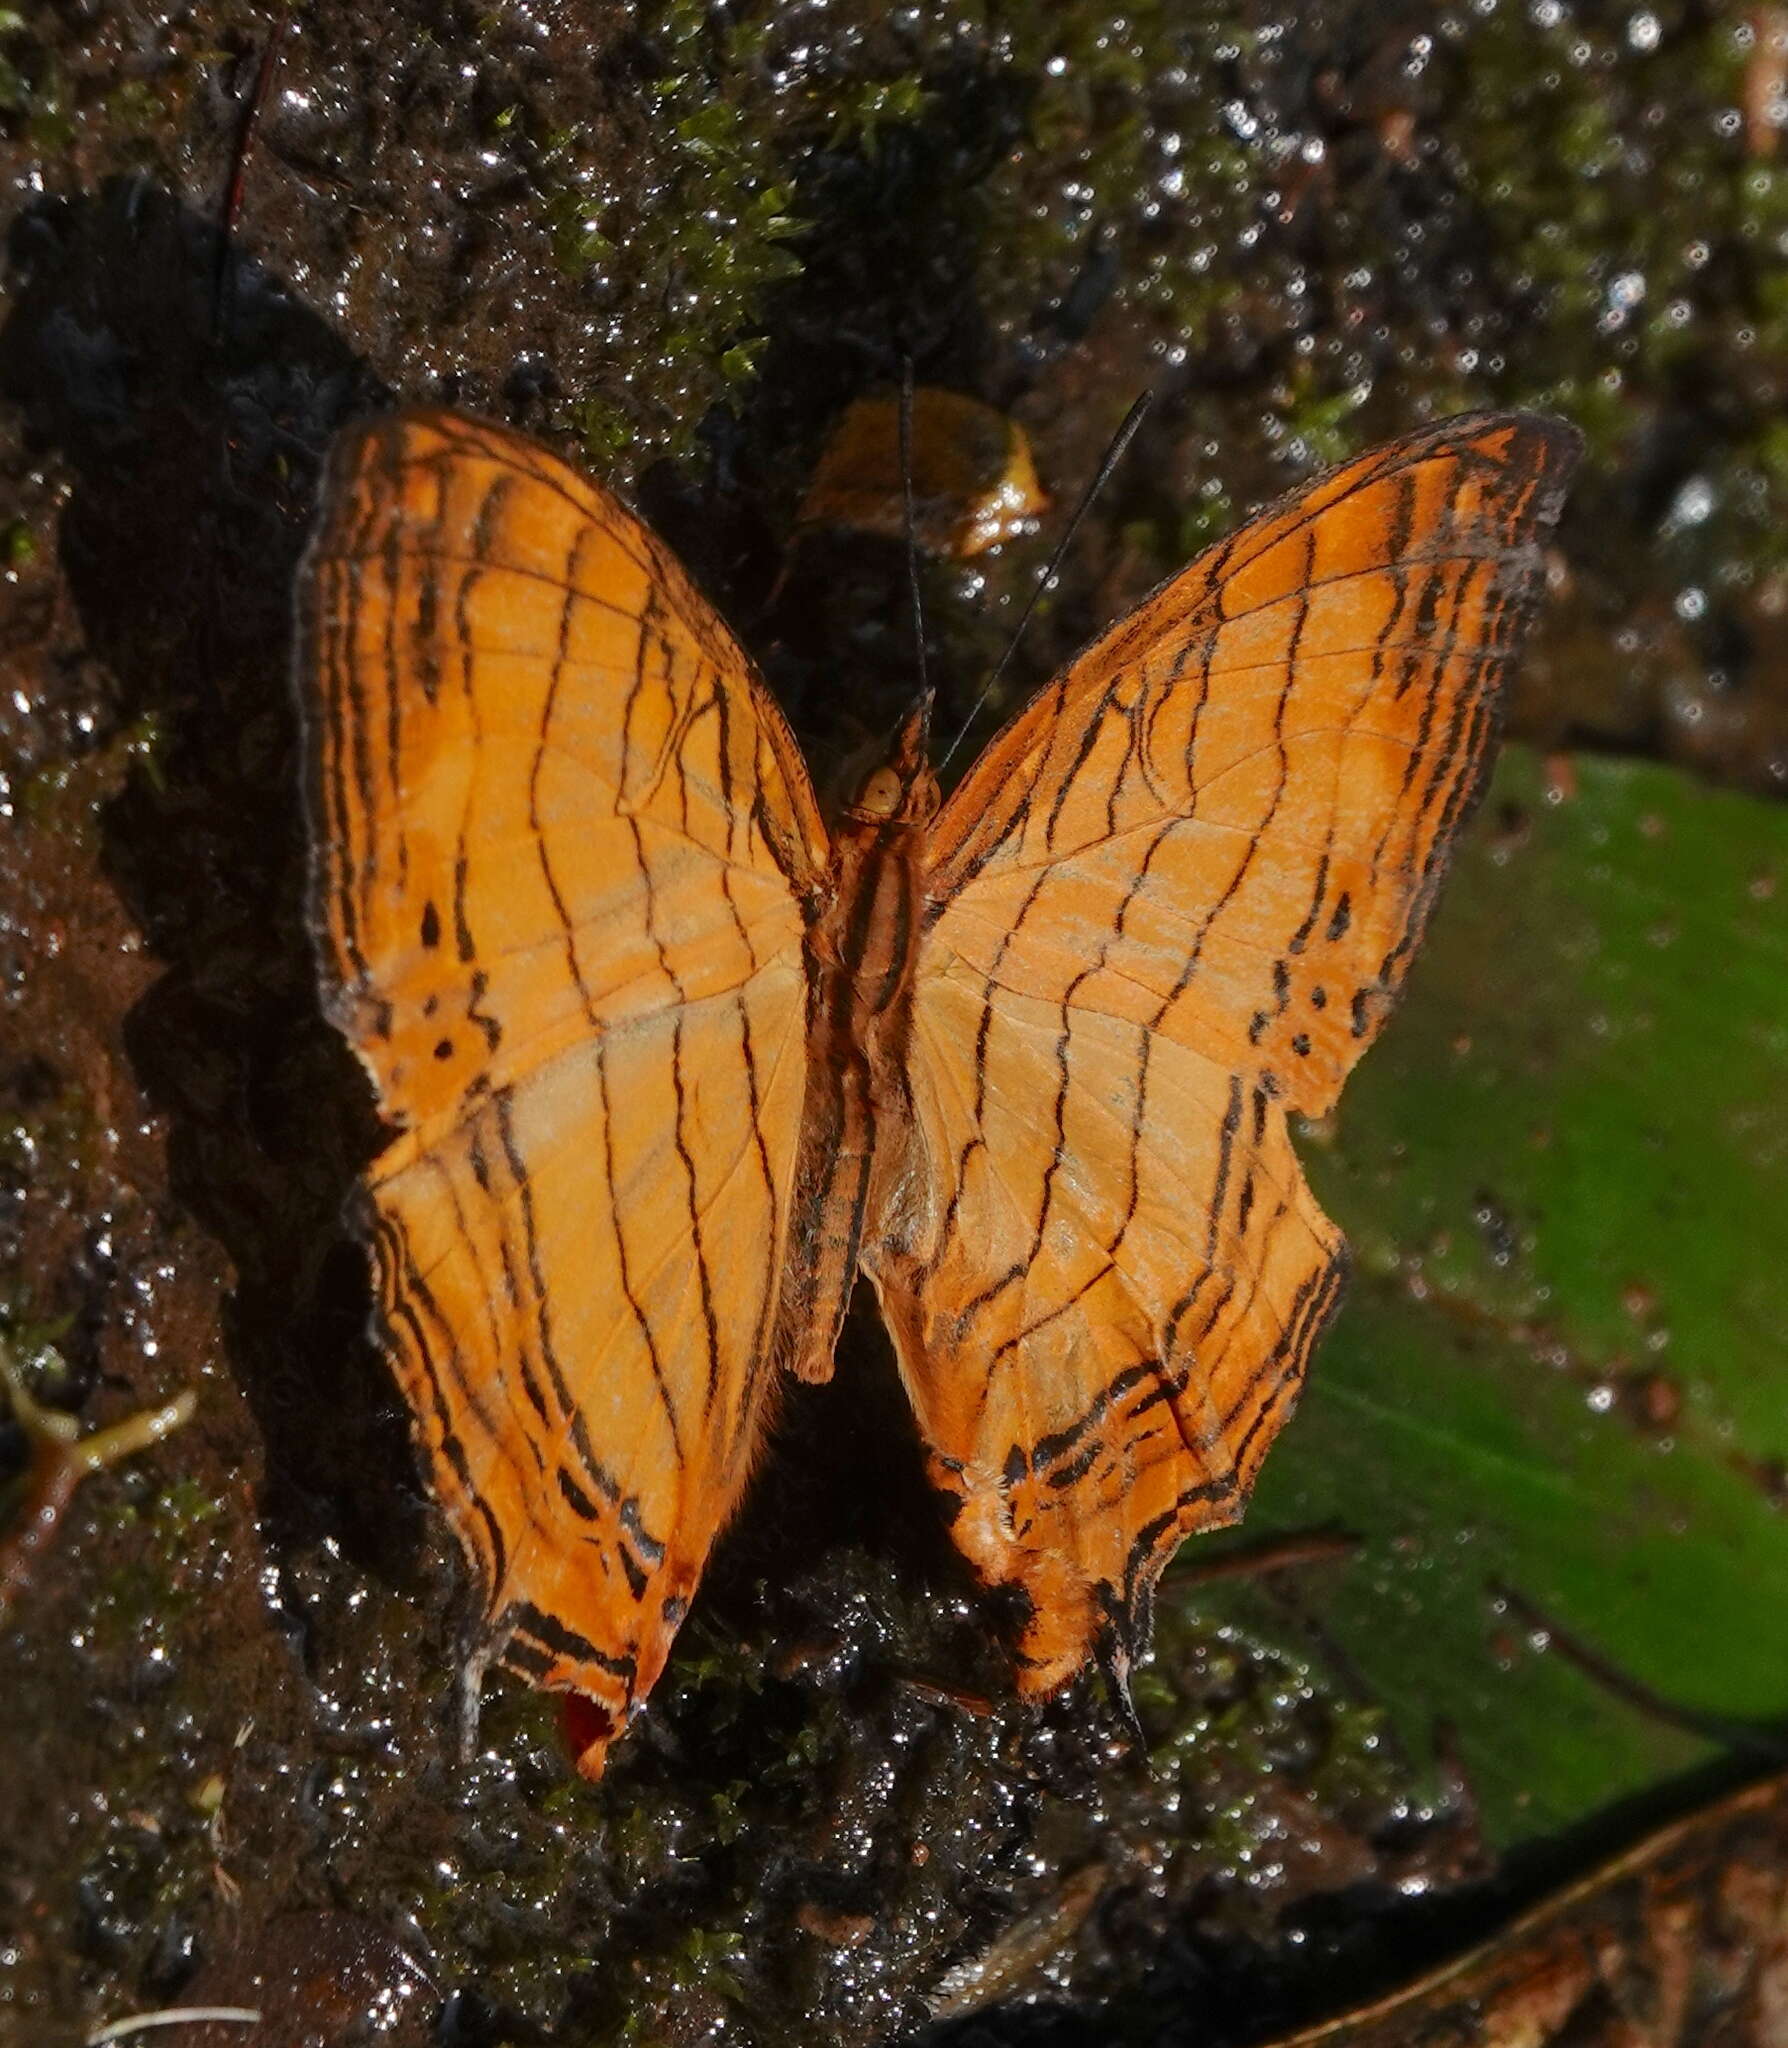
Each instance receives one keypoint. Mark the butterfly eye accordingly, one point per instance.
(880, 795)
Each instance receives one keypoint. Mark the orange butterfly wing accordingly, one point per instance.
(1171, 903)
(563, 838)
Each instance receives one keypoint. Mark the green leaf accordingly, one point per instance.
(1564, 1365)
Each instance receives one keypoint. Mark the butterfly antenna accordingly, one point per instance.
(912, 524)
(1113, 456)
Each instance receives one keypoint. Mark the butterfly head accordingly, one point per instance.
(902, 790)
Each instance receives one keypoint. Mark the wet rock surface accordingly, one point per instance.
(678, 240)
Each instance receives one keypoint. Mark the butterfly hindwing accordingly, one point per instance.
(563, 840)
(1171, 903)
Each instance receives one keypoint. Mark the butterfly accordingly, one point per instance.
(669, 1061)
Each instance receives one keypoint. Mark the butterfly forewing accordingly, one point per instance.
(1171, 902)
(563, 839)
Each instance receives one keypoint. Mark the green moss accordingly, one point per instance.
(65, 795)
(697, 1970)
(135, 110)
(687, 254)
(1124, 142)
(1355, 1768)
(33, 1344)
(865, 112)
(1235, 1715)
(31, 1348)
(144, 744)
(15, 92)
(156, 1582)
(1318, 419)
(34, 95)
(605, 430)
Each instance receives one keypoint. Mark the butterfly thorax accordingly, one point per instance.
(860, 955)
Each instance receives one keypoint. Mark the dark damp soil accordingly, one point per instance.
(678, 239)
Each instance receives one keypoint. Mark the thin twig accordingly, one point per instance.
(176, 2016)
(1277, 1554)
